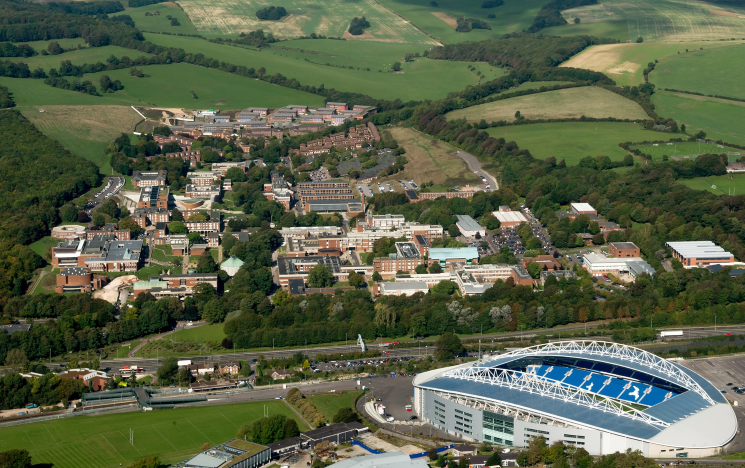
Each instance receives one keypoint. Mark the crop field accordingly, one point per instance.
(79, 57)
(730, 184)
(159, 22)
(612, 29)
(717, 71)
(686, 150)
(512, 16)
(30, 92)
(719, 118)
(430, 160)
(624, 63)
(173, 85)
(567, 103)
(329, 18)
(666, 20)
(330, 403)
(573, 141)
(84, 130)
(103, 441)
(421, 79)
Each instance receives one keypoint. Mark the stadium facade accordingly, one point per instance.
(603, 397)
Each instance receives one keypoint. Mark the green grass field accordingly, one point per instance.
(733, 184)
(612, 29)
(329, 18)
(720, 119)
(40, 246)
(103, 441)
(330, 403)
(684, 150)
(717, 71)
(199, 334)
(160, 23)
(421, 79)
(164, 253)
(29, 92)
(172, 85)
(532, 85)
(573, 141)
(666, 20)
(513, 16)
(79, 57)
(64, 43)
(559, 104)
(625, 62)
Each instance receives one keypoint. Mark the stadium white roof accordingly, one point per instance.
(699, 249)
(510, 217)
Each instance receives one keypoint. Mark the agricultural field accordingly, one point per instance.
(717, 72)
(666, 20)
(30, 92)
(419, 80)
(84, 130)
(559, 104)
(730, 184)
(686, 150)
(625, 63)
(155, 22)
(512, 16)
(200, 334)
(176, 85)
(613, 29)
(330, 403)
(573, 141)
(719, 118)
(103, 441)
(79, 57)
(430, 160)
(329, 18)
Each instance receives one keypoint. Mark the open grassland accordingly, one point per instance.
(573, 141)
(719, 118)
(173, 85)
(709, 71)
(513, 16)
(64, 43)
(421, 79)
(79, 57)
(730, 184)
(199, 334)
(687, 150)
(30, 92)
(330, 18)
(625, 63)
(430, 160)
(612, 29)
(330, 403)
(567, 103)
(160, 22)
(84, 130)
(531, 85)
(103, 441)
(666, 20)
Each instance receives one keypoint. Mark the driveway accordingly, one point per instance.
(475, 165)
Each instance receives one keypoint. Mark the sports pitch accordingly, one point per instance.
(103, 441)
(721, 185)
(686, 150)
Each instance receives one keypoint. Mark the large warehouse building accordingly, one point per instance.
(603, 397)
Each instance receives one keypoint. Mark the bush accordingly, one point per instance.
(358, 25)
(492, 3)
(272, 13)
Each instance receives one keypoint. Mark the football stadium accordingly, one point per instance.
(603, 397)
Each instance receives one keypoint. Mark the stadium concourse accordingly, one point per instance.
(603, 397)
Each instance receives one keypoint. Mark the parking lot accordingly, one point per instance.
(365, 190)
(724, 372)
(393, 392)
(408, 185)
(509, 239)
(337, 365)
(112, 187)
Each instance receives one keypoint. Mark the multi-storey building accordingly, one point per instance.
(167, 285)
(279, 190)
(148, 216)
(205, 227)
(203, 191)
(700, 253)
(153, 197)
(406, 258)
(148, 178)
(204, 178)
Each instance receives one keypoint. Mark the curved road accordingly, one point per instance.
(475, 165)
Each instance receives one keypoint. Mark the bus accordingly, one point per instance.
(127, 371)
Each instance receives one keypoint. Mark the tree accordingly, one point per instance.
(577, 20)
(99, 219)
(148, 462)
(598, 239)
(356, 280)
(206, 263)
(345, 415)
(320, 276)
(214, 311)
(396, 67)
(68, 213)
(421, 269)
(15, 458)
(376, 276)
(453, 230)
(16, 359)
(639, 40)
(176, 215)
(534, 269)
(494, 460)
(195, 238)
(435, 268)
(447, 346)
(177, 227)
(168, 370)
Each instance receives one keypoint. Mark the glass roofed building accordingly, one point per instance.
(603, 397)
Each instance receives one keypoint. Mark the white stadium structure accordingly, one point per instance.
(603, 397)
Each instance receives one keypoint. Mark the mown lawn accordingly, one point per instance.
(330, 403)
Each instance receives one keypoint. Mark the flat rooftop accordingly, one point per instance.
(699, 249)
(467, 223)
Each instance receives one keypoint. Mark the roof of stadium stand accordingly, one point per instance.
(607, 386)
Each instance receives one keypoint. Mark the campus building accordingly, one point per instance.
(699, 253)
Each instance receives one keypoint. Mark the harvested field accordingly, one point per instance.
(449, 20)
(559, 104)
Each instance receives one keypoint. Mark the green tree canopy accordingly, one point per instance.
(320, 276)
(447, 346)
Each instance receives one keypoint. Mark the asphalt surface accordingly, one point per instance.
(114, 185)
(475, 165)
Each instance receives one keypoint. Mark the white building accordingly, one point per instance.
(469, 227)
(509, 219)
(599, 265)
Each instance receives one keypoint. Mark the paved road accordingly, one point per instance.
(475, 165)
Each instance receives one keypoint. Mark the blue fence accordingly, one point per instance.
(438, 450)
(371, 450)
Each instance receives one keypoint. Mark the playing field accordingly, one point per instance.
(430, 160)
(730, 184)
(567, 103)
(103, 441)
(200, 334)
(29, 92)
(666, 20)
(717, 71)
(155, 22)
(420, 79)
(84, 130)
(686, 150)
(625, 63)
(513, 16)
(573, 141)
(329, 18)
(720, 119)
(330, 403)
(173, 85)
(79, 57)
